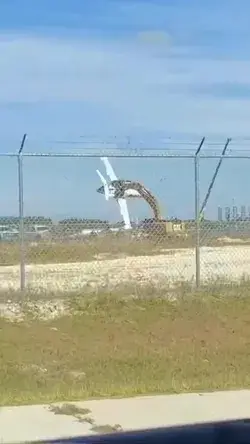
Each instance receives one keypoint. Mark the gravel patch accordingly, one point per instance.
(226, 262)
(42, 310)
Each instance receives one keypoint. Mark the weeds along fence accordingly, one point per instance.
(93, 253)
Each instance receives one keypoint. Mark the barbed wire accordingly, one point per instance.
(127, 146)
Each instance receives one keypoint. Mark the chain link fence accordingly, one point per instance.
(225, 239)
(86, 251)
(66, 235)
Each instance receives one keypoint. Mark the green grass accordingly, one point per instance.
(104, 247)
(100, 248)
(126, 345)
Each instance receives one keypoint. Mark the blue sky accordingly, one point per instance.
(99, 69)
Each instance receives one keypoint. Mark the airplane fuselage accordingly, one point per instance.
(118, 190)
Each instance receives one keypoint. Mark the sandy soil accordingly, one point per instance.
(227, 262)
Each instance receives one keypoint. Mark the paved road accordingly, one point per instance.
(39, 423)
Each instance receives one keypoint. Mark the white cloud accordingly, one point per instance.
(150, 89)
(155, 38)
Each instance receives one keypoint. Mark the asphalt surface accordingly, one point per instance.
(32, 423)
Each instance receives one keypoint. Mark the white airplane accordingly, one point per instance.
(113, 189)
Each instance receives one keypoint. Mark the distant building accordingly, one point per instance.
(227, 214)
(235, 213)
(220, 214)
(243, 214)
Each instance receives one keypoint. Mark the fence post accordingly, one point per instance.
(197, 215)
(217, 169)
(21, 215)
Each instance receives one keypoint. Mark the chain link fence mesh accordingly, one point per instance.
(75, 238)
(9, 221)
(225, 229)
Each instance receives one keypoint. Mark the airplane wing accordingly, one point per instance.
(105, 185)
(109, 170)
(124, 212)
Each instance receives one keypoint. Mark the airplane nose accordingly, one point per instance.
(100, 190)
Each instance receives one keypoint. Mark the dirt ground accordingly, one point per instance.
(177, 265)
